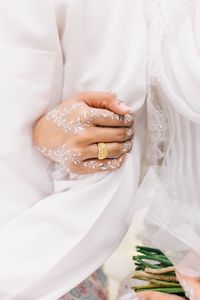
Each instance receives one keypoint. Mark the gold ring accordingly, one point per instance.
(102, 151)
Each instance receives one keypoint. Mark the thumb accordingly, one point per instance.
(107, 101)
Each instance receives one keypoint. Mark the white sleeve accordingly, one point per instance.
(59, 240)
(180, 72)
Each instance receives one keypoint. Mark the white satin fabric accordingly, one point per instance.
(54, 233)
(168, 198)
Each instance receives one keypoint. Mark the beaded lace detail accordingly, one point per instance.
(162, 20)
(157, 124)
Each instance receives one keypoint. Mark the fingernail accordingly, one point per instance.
(130, 132)
(124, 107)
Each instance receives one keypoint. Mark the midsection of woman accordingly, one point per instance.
(51, 51)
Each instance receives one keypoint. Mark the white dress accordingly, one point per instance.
(54, 233)
(169, 196)
(167, 203)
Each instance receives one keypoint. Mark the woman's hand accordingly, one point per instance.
(157, 296)
(69, 134)
(190, 285)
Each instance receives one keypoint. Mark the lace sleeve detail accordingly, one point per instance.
(157, 135)
(162, 18)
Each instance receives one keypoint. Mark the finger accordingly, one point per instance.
(150, 295)
(105, 100)
(96, 166)
(109, 135)
(103, 117)
(114, 150)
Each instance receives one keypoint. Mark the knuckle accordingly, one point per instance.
(75, 150)
(84, 138)
(88, 138)
(78, 140)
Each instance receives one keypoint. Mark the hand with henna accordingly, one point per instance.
(69, 133)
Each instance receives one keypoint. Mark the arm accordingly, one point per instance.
(56, 242)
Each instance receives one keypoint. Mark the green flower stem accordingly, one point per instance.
(153, 267)
(166, 290)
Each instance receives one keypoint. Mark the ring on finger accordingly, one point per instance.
(102, 151)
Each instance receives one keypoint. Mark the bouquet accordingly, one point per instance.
(156, 272)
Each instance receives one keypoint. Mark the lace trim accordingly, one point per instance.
(163, 18)
(156, 121)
